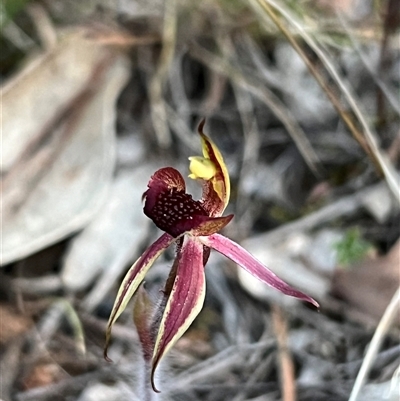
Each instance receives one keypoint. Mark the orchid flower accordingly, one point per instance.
(193, 226)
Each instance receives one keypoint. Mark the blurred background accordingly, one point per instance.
(302, 97)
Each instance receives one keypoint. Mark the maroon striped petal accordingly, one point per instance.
(247, 261)
(185, 300)
(133, 279)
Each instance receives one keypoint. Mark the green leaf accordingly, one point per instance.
(352, 248)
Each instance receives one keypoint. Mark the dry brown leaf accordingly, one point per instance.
(58, 149)
(369, 286)
(42, 375)
(12, 324)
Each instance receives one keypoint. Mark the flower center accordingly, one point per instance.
(173, 211)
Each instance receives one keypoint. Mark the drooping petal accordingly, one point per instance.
(185, 300)
(239, 255)
(212, 169)
(133, 279)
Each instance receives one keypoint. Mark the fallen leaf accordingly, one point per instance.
(58, 152)
(118, 229)
(367, 287)
(12, 323)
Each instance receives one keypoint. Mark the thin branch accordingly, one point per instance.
(390, 314)
(367, 139)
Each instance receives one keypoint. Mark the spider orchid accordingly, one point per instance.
(193, 226)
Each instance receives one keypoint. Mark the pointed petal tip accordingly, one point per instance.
(185, 300)
(293, 292)
(304, 297)
(107, 344)
(153, 386)
(133, 278)
(314, 302)
(201, 125)
(105, 353)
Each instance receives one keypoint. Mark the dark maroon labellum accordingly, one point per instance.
(172, 211)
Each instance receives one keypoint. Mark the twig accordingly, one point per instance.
(182, 130)
(383, 359)
(158, 112)
(367, 139)
(258, 374)
(251, 135)
(177, 87)
(215, 366)
(381, 330)
(45, 285)
(9, 367)
(43, 25)
(268, 6)
(391, 23)
(67, 387)
(345, 206)
(287, 375)
(383, 87)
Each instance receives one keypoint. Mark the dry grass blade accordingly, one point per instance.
(250, 156)
(390, 314)
(385, 90)
(367, 139)
(287, 375)
(9, 367)
(215, 367)
(158, 111)
(76, 325)
(251, 135)
(43, 25)
(255, 377)
(177, 86)
(181, 129)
